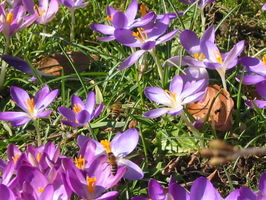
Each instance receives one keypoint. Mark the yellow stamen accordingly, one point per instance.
(38, 10)
(91, 183)
(30, 105)
(109, 18)
(10, 18)
(199, 56)
(40, 189)
(172, 94)
(106, 145)
(38, 157)
(218, 57)
(264, 59)
(80, 162)
(143, 9)
(15, 158)
(140, 34)
(76, 108)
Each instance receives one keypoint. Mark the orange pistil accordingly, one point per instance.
(199, 56)
(76, 108)
(30, 105)
(9, 18)
(106, 145)
(264, 59)
(109, 18)
(38, 10)
(80, 162)
(91, 183)
(15, 158)
(40, 189)
(140, 34)
(38, 157)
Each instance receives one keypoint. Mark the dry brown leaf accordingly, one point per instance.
(220, 112)
(54, 63)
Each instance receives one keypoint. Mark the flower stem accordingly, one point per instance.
(144, 144)
(4, 64)
(91, 132)
(192, 128)
(72, 32)
(221, 72)
(36, 125)
(158, 64)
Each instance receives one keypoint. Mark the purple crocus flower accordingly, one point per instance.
(179, 94)
(120, 20)
(242, 193)
(45, 11)
(264, 7)
(256, 69)
(157, 192)
(81, 114)
(218, 61)
(145, 39)
(74, 4)
(262, 187)
(14, 20)
(201, 3)
(33, 107)
(6, 193)
(121, 146)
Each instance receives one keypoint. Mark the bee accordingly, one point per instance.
(116, 110)
(112, 162)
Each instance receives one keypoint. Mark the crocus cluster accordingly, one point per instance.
(143, 33)
(201, 189)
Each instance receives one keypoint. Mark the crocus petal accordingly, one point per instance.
(11, 116)
(167, 37)
(158, 95)
(155, 113)
(252, 79)
(47, 100)
(202, 189)
(174, 61)
(40, 95)
(209, 34)
(108, 196)
(83, 117)
(110, 11)
(71, 123)
(44, 114)
(98, 111)
(148, 45)
(125, 37)
(124, 143)
(6, 193)
(210, 65)
(119, 20)
(133, 171)
(175, 111)
(176, 85)
(131, 11)
(18, 63)
(139, 198)
(144, 20)
(177, 192)
(233, 195)
(20, 96)
(190, 41)
(189, 90)
(12, 151)
(131, 59)
(264, 7)
(48, 192)
(262, 184)
(106, 39)
(260, 88)
(210, 51)
(90, 102)
(75, 100)
(253, 65)
(193, 98)
(156, 191)
(159, 28)
(259, 103)
(104, 29)
(67, 113)
(20, 121)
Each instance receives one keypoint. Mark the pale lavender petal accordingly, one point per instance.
(90, 102)
(252, 79)
(106, 39)
(20, 96)
(190, 90)
(176, 85)
(202, 189)
(52, 10)
(119, 20)
(159, 28)
(104, 29)
(158, 95)
(233, 54)
(155, 113)
(148, 45)
(212, 65)
(195, 74)
(29, 5)
(144, 20)
(48, 193)
(264, 7)
(187, 60)
(210, 51)
(254, 65)
(156, 191)
(260, 88)
(20, 121)
(167, 37)
(133, 172)
(124, 143)
(11, 116)
(131, 59)
(190, 41)
(44, 114)
(75, 100)
(175, 111)
(174, 61)
(98, 111)
(193, 98)
(40, 95)
(209, 34)
(131, 11)
(108, 196)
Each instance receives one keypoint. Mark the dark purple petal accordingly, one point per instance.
(47, 100)
(131, 59)
(131, 11)
(167, 37)
(12, 151)
(233, 195)
(20, 121)
(104, 29)
(155, 113)
(126, 37)
(210, 65)
(83, 116)
(159, 28)
(40, 95)
(190, 41)
(106, 39)
(259, 103)
(148, 45)
(246, 194)
(253, 65)
(44, 114)
(144, 20)
(119, 20)
(18, 63)
(98, 111)
(108, 196)
(177, 192)
(71, 123)
(11, 116)
(6, 193)
(252, 79)
(260, 88)
(124, 143)
(29, 5)
(20, 96)
(75, 100)
(139, 198)
(156, 191)
(262, 184)
(67, 113)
